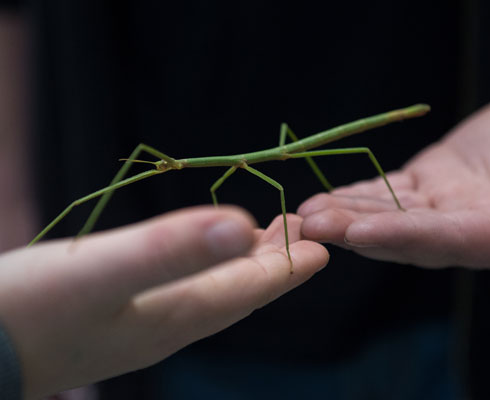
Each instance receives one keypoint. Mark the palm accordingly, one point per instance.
(446, 191)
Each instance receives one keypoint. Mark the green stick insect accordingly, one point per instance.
(295, 149)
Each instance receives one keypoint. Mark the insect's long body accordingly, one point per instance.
(286, 151)
(296, 149)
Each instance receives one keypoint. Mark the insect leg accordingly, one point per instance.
(101, 192)
(99, 207)
(286, 130)
(278, 186)
(219, 182)
(353, 150)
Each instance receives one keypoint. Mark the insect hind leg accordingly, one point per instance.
(353, 150)
(286, 130)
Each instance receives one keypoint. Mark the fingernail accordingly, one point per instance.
(229, 238)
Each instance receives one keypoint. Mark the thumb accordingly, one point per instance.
(172, 246)
(125, 261)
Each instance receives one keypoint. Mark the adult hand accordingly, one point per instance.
(446, 191)
(81, 311)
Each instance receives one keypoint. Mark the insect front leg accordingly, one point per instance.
(99, 207)
(219, 182)
(98, 193)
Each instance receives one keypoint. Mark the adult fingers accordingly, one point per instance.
(327, 216)
(361, 203)
(210, 301)
(329, 226)
(122, 262)
(326, 201)
(274, 234)
(175, 245)
(426, 238)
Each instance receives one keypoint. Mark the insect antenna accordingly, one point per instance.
(140, 161)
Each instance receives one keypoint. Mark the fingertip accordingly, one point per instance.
(275, 231)
(312, 205)
(311, 228)
(215, 233)
(327, 226)
(312, 255)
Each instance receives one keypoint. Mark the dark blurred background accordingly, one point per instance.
(200, 78)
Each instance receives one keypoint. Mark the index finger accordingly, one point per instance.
(203, 304)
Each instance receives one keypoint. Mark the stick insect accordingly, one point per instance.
(295, 149)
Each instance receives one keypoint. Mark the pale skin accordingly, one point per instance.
(446, 193)
(121, 300)
(81, 311)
